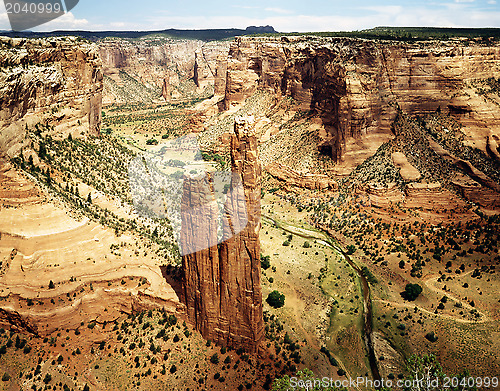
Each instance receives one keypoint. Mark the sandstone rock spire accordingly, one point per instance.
(222, 289)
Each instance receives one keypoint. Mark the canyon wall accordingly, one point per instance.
(208, 58)
(355, 86)
(58, 80)
(156, 69)
(294, 178)
(222, 289)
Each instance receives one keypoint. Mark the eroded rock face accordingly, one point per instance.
(156, 68)
(208, 58)
(355, 85)
(294, 178)
(59, 79)
(222, 283)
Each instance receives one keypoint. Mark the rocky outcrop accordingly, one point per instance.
(147, 69)
(473, 191)
(431, 196)
(382, 196)
(57, 80)
(222, 283)
(307, 180)
(406, 170)
(208, 58)
(156, 68)
(355, 86)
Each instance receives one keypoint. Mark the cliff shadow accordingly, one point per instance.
(173, 275)
(323, 84)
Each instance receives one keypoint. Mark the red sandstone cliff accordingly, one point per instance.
(222, 283)
(354, 86)
(156, 68)
(56, 79)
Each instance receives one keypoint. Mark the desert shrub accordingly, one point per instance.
(172, 320)
(369, 275)
(411, 292)
(307, 244)
(5, 377)
(431, 336)
(265, 261)
(276, 299)
(214, 359)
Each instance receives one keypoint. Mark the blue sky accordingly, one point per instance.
(283, 15)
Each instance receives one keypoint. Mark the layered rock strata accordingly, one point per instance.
(210, 60)
(222, 289)
(355, 86)
(307, 180)
(155, 68)
(148, 68)
(57, 80)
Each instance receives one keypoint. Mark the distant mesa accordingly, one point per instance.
(260, 29)
(202, 34)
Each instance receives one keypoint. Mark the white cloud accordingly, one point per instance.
(66, 22)
(493, 2)
(278, 10)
